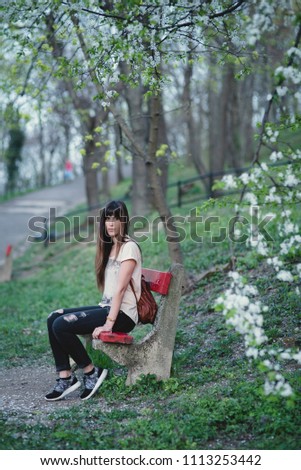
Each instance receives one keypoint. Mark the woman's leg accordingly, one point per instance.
(62, 343)
(63, 327)
(123, 323)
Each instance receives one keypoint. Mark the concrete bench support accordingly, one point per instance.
(153, 354)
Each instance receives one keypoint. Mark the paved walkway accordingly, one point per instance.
(16, 213)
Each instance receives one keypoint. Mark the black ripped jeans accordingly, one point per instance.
(64, 327)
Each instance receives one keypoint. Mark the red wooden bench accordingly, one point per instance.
(159, 282)
(153, 354)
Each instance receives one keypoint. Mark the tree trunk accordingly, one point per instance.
(193, 128)
(158, 195)
(139, 125)
(233, 121)
(216, 155)
(119, 172)
(105, 190)
(43, 177)
(90, 173)
(157, 191)
(162, 162)
(246, 117)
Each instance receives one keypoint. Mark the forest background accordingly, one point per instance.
(173, 89)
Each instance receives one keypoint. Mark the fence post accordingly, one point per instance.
(179, 194)
(210, 193)
(47, 232)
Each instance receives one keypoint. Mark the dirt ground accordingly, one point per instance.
(22, 390)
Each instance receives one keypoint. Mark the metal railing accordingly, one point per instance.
(183, 187)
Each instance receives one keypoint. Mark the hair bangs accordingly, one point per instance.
(117, 210)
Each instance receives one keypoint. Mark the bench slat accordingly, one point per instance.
(115, 337)
(159, 281)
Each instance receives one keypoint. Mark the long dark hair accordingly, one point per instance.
(119, 210)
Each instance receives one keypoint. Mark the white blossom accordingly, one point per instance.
(260, 245)
(242, 313)
(289, 227)
(281, 90)
(268, 363)
(286, 390)
(230, 182)
(296, 155)
(276, 156)
(297, 357)
(278, 386)
(290, 179)
(251, 198)
(256, 175)
(245, 178)
(289, 73)
(285, 355)
(264, 166)
(285, 276)
(297, 95)
(286, 213)
(252, 352)
(275, 262)
(268, 387)
(235, 275)
(295, 51)
(250, 290)
(272, 196)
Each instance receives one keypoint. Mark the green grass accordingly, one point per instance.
(214, 398)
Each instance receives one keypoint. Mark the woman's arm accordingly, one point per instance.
(125, 274)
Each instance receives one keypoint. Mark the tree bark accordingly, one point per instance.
(175, 251)
(43, 177)
(90, 173)
(233, 124)
(246, 117)
(139, 124)
(193, 129)
(216, 156)
(162, 162)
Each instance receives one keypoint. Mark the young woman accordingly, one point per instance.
(117, 262)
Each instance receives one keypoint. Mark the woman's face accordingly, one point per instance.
(113, 226)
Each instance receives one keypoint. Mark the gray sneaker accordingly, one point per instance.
(62, 388)
(93, 382)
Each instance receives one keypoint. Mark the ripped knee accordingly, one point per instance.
(59, 310)
(70, 318)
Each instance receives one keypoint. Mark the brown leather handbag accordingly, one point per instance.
(146, 305)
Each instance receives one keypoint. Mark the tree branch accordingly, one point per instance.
(232, 8)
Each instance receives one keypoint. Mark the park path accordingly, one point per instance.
(16, 213)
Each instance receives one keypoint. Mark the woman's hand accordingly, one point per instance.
(99, 329)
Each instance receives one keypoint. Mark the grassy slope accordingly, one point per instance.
(213, 399)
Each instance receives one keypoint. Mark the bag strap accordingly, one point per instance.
(132, 287)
